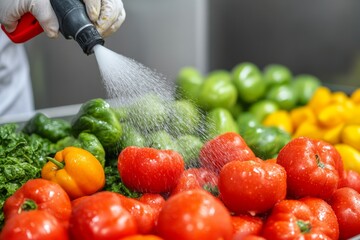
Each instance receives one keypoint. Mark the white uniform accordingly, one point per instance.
(16, 95)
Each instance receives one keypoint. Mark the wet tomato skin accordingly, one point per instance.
(222, 149)
(149, 170)
(345, 203)
(194, 214)
(251, 186)
(313, 167)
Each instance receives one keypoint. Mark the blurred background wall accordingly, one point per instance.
(320, 37)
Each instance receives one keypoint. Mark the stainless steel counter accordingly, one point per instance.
(63, 112)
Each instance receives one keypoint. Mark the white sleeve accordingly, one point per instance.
(15, 83)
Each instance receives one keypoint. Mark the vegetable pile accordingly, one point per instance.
(229, 159)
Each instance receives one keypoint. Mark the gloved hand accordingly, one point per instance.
(12, 10)
(107, 15)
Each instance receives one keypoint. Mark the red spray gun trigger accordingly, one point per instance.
(27, 28)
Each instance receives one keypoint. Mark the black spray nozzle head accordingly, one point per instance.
(74, 23)
(88, 38)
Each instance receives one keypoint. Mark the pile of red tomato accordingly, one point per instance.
(302, 194)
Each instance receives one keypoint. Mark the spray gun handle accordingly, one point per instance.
(74, 23)
(27, 28)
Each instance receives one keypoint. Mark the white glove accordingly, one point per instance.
(12, 10)
(107, 15)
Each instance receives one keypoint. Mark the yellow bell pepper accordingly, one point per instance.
(338, 97)
(320, 99)
(355, 96)
(280, 119)
(333, 115)
(350, 156)
(350, 135)
(302, 114)
(332, 134)
(76, 170)
(308, 129)
(355, 118)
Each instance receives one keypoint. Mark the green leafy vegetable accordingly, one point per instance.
(21, 158)
(113, 182)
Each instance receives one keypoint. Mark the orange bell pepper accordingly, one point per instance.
(76, 170)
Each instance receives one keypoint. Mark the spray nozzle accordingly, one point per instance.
(74, 23)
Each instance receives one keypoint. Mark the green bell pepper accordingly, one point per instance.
(189, 148)
(217, 90)
(98, 118)
(148, 114)
(131, 137)
(266, 142)
(188, 82)
(236, 110)
(52, 129)
(262, 108)
(277, 74)
(161, 140)
(305, 86)
(247, 120)
(285, 96)
(249, 82)
(85, 141)
(184, 118)
(220, 120)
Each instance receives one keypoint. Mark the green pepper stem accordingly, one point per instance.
(305, 227)
(27, 205)
(56, 162)
(318, 161)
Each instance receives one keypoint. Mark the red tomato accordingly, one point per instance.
(33, 225)
(195, 178)
(187, 181)
(144, 215)
(101, 216)
(194, 214)
(312, 167)
(350, 179)
(222, 149)
(39, 194)
(142, 237)
(76, 201)
(204, 176)
(346, 205)
(150, 170)
(251, 186)
(306, 218)
(325, 214)
(251, 237)
(246, 225)
(154, 200)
